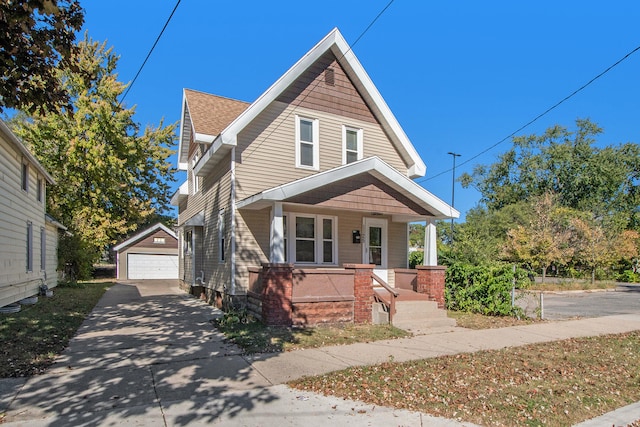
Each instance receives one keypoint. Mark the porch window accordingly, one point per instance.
(315, 241)
(307, 145)
(351, 144)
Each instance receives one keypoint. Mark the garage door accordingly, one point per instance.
(146, 266)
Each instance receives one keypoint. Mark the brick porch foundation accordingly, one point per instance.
(430, 281)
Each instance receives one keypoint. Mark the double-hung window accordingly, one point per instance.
(351, 144)
(194, 178)
(314, 239)
(25, 176)
(307, 143)
(29, 246)
(43, 249)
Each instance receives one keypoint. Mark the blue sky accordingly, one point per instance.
(459, 76)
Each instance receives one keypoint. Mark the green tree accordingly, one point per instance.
(36, 36)
(110, 176)
(546, 240)
(584, 177)
(416, 235)
(599, 244)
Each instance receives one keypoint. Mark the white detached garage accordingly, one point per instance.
(151, 254)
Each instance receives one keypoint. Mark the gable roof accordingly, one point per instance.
(11, 137)
(144, 234)
(372, 165)
(335, 43)
(204, 116)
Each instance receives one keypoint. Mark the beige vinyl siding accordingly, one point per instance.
(214, 194)
(266, 148)
(17, 208)
(252, 243)
(398, 243)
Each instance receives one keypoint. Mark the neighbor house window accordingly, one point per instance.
(307, 144)
(351, 144)
(314, 241)
(43, 249)
(29, 246)
(39, 190)
(159, 241)
(222, 230)
(25, 176)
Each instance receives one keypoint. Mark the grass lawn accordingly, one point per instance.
(478, 321)
(255, 337)
(555, 384)
(31, 339)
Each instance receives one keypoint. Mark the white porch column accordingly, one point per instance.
(277, 234)
(430, 243)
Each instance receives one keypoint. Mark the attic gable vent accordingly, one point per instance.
(329, 77)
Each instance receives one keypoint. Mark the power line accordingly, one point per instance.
(149, 54)
(318, 81)
(530, 122)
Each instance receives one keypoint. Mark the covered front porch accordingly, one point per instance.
(321, 226)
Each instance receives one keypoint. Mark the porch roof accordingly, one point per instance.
(422, 203)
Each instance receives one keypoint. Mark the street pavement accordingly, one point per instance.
(148, 355)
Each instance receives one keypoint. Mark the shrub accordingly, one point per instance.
(484, 289)
(415, 258)
(628, 276)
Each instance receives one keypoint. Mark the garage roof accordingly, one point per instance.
(144, 234)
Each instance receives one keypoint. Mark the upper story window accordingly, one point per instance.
(195, 180)
(159, 241)
(307, 143)
(25, 176)
(351, 144)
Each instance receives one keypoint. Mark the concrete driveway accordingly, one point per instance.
(148, 355)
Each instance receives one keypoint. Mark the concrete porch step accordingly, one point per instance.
(421, 315)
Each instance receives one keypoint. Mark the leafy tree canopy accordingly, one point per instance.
(110, 176)
(604, 181)
(35, 37)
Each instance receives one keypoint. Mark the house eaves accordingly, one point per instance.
(335, 43)
(372, 165)
(181, 194)
(145, 233)
(25, 152)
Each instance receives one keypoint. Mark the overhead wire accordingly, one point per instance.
(317, 82)
(149, 54)
(539, 116)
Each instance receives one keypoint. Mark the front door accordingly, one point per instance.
(374, 249)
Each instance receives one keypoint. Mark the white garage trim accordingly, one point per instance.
(152, 266)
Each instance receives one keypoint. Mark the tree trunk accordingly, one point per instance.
(544, 274)
(593, 275)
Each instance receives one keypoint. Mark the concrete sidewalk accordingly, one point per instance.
(147, 356)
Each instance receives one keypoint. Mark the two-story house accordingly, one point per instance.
(28, 236)
(315, 174)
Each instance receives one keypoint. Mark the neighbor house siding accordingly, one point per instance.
(51, 266)
(17, 209)
(266, 148)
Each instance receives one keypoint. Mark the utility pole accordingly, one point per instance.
(453, 187)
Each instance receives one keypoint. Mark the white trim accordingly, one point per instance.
(335, 43)
(318, 238)
(145, 233)
(277, 247)
(359, 142)
(315, 143)
(383, 224)
(373, 165)
(232, 212)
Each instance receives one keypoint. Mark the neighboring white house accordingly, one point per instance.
(28, 236)
(150, 254)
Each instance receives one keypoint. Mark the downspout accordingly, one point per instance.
(232, 289)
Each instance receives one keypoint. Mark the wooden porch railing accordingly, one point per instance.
(393, 294)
